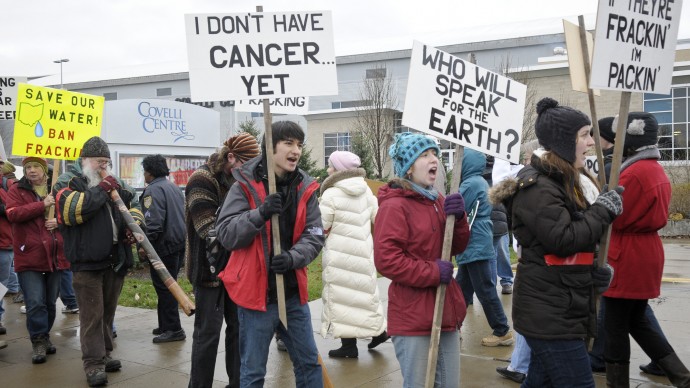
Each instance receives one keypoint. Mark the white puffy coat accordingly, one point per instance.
(351, 304)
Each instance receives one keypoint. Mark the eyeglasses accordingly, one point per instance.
(102, 162)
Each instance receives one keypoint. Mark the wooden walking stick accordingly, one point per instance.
(187, 305)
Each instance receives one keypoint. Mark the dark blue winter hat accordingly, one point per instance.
(406, 148)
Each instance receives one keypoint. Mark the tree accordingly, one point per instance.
(375, 121)
(249, 126)
(307, 164)
(359, 148)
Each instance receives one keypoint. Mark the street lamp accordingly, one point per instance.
(61, 61)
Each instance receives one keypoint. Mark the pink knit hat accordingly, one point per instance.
(344, 160)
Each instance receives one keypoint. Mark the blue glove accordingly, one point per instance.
(445, 269)
(455, 205)
(282, 262)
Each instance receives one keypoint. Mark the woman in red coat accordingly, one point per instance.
(38, 253)
(637, 256)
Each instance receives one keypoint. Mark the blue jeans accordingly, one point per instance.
(256, 332)
(5, 264)
(476, 277)
(520, 359)
(13, 283)
(501, 247)
(40, 293)
(412, 353)
(66, 290)
(558, 363)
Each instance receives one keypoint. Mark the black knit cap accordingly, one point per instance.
(95, 148)
(557, 127)
(606, 130)
(642, 130)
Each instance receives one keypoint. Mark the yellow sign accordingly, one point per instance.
(54, 123)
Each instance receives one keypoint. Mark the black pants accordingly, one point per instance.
(168, 314)
(627, 316)
(212, 306)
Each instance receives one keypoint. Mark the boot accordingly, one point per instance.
(378, 340)
(617, 375)
(39, 351)
(50, 348)
(675, 370)
(348, 350)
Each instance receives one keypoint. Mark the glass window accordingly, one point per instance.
(672, 111)
(376, 73)
(160, 92)
(110, 96)
(663, 117)
(652, 96)
(338, 141)
(657, 105)
(680, 155)
(335, 105)
(680, 138)
(680, 110)
(680, 92)
(665, 130)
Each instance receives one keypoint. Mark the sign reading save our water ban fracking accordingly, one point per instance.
(260, 55)
(55, 123)
(463, 103)
(635, 45)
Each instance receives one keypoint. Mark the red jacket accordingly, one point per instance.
(408, 238)
(35, 248)
(636, 252)
(5, 228)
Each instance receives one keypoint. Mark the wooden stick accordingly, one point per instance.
(53, 180)
(187, 305)
(441, 290)
(327, 383)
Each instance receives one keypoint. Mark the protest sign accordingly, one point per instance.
(635, 44)
(576, 62)
(281, 105)
(8, 96)
(55, 123)
(592, 165)
(260, 55)
(463, 103)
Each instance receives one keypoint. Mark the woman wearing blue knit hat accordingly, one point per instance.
(408, 240)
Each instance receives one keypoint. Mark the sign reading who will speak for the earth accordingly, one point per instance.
(260, 55)
(463, 103)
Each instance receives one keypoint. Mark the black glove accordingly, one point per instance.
(273, 204)
(601, 278)
(611, 200)
(109, 183)
(281, 263)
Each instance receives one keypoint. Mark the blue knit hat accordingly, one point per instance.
(406, 148)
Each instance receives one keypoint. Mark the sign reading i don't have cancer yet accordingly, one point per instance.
(54, 123)
(260, 55)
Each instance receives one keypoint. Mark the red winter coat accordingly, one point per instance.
(408, 238)
(5, 228)
(636, 252)
(35, 248)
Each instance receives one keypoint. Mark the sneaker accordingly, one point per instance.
(652, 369)
(19, 298)
(505, 340)
(70, 310)
(39, 351)
(3, 330)
(157, 331)
(511, 375)
(111, 365)
(50, 348)
(170, 336)
(22, 309)
(281, 345)
(96, 378)
(506, 289)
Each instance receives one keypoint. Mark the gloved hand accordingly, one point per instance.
(612, 200)
(455, 205)
(281, 263)
(273, 204)
(601, 278)
(109, 183)
(445, 268)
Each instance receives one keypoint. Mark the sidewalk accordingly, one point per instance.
(149, 365)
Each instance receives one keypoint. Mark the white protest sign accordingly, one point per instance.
(592, 165)
(281, 105)
(635, 45)
(260, 55)
(463, 103)
(8, 96)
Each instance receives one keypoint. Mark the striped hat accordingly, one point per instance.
(243, 146)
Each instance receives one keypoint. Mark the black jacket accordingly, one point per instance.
(162, 203)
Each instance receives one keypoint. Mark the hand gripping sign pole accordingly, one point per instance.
(187, 305)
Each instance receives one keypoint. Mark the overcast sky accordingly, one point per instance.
(121, 33)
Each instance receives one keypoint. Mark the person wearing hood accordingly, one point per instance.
(408, 243)
(637, 256)
(98, 245)
(39, 254)
(351, 305)
(475, 264)
(558, 217)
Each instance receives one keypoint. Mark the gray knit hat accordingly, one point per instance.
(95, 148)
(557, 127)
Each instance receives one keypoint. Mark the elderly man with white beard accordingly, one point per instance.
(98, 245)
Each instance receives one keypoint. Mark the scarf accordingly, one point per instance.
(430, 193)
